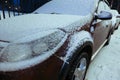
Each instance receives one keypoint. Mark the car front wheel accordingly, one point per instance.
(79, 67)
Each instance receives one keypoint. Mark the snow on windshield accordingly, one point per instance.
(74, 7)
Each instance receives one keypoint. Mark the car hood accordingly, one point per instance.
(25, 25)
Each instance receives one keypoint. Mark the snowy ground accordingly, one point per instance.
(106, 65)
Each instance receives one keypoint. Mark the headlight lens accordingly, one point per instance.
(16, 52)
(22, 51)
(47, 43)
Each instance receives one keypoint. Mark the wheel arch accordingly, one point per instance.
(81, 41)
(87, 46)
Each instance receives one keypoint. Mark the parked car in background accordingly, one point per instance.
(115, 20)
(58, 43)
(118, 16)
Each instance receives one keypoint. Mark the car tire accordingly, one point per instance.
(117, 27)
(113, 30)
(79, 67)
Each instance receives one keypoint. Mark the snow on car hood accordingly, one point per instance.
(2, 45)
(25, 25)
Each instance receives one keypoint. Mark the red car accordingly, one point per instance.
(55, 44)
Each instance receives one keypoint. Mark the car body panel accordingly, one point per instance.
(36, 72)
(100, 33)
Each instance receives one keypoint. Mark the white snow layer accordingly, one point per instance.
(114, 12)
(25, 25)
(73, 7)
(3, 44)
(114, 19)
(106, 65)
(77, 40)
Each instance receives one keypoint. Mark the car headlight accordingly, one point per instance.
(16, 52)
(38, 45)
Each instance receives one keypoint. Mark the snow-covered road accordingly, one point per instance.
(106, 65)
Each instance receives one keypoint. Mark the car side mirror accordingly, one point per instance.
(104, 15)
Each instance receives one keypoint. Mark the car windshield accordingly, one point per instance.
(74, 7)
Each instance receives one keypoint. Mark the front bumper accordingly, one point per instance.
(47, 70)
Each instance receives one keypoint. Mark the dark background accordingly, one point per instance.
(25, 6)
(28, 6)
(115, 4)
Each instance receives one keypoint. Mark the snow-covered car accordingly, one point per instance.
(58, 43)
(118, 17)
(115, 20)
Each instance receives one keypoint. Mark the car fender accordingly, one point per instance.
(78, 41)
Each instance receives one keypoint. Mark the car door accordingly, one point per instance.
(101, 27)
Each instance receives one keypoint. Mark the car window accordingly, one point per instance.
(74, 7)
